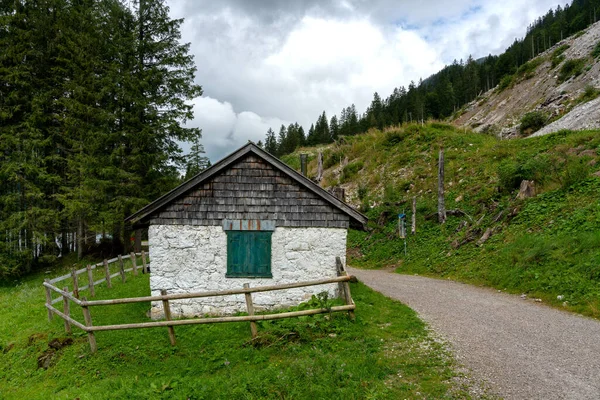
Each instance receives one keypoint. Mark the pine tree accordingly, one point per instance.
(271, 142)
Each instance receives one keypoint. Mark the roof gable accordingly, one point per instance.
(146, 213)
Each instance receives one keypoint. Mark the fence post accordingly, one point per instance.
(107, 274)
(48, 300)
(75, 283)
(122, 268)
(167, 310)
(67, 311)
(144, 264)
(133, 262)
(91, 280)
(88, 322)
(345, 285)
(250, 308)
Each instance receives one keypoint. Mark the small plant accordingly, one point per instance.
(393, 138)
(571, 68)
(351, 169)
(527, 70)
(558, 56)
(506, 82)
(576, 170)
(589, 94)
(596, 51)
(532, 122)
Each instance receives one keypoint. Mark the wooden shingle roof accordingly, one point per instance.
(142, 216)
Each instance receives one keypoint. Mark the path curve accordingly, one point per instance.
(522, 349)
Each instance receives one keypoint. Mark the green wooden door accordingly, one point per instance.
(249, 254)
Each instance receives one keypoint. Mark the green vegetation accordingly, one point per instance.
(527, 70)
(91, 111)
(545, 246)
(571, 68)
(385, 353)
(506, 82)
(596, 51)
(558, 56)
(532, 122)
(589, 94)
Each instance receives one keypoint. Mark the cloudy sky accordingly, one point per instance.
(263, 63)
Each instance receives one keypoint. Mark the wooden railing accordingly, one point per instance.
(66, 296)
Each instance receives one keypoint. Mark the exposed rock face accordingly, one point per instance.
(500, 112)
(526, 190)
(189, 259)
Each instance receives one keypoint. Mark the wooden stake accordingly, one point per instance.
(107, 274)
(250, 308)
(67, 311)
(441, 201)
(133, 262)
(346, 286)
(75, 283)
(167, 310)
(122, 268)
(49, 300)
(91, 280)
(88, 323)
(144, 264)
(320, 167)
(413, 228)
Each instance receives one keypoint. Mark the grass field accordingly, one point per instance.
(385, 353)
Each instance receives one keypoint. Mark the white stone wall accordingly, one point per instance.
(189, 259)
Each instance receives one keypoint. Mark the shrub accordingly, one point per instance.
(558, 56)
(532, 122)
(351, 169)
(529, 67)
(505, 82)
(575, 171)
(511, 172)
(331, 158)
(571, 68)
(392, 138)
(589, 93)
(596, 51)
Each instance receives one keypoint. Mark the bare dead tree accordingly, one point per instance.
(441, 202)
(413, 228)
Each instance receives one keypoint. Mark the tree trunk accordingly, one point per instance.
(320, 167)
(441, 203)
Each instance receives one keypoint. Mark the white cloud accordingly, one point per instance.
(265, 63)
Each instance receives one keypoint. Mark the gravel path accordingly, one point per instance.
(521, 349)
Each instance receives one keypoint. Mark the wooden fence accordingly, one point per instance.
(67, 296)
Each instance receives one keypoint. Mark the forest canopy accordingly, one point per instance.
(93, 103)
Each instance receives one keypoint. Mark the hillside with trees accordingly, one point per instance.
(92, 104)
(444, 94)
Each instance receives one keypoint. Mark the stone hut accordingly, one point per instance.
(247, 219)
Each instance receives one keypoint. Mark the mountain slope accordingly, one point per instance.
(552, 84)
(547, 246)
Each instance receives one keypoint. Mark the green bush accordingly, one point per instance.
(558, 56)
(589, 94)
(392, 138)
(596, 51)
(529, 67)
(351, 169)
(532, 122)
(331, 158)
(506, 82)
(512, 172)
(576, 170)
(570, 68)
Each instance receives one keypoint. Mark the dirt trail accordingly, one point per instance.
(522, 349)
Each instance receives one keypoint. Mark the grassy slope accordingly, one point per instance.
(546, 246)
(385, 353)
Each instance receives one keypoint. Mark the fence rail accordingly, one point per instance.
(66, 296)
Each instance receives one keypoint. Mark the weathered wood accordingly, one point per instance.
(48, 298)
(122, 268)
(88, 323)
(107, 274)
(413, 227)
(144, 263)
(137, 245)
(250, 309)
(303, 159)
(67, 311)
(75, 283)
(319, 167)
(167, 309)
(70, 319)
(441, 200)
(91, 281)
(262, 317)
(218, 293)
(486, 235)
(62, 293)
(134, 263)
(346, 286)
